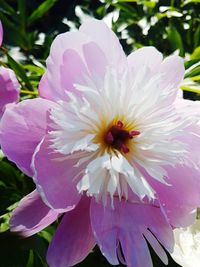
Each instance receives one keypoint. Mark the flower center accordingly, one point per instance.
(117, 137)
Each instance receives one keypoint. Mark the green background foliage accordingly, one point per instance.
(29, 28)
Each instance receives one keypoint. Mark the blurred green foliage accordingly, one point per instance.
(29, 28)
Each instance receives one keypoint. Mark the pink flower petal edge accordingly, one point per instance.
(9, 88)
(1, 33)
(122, 231)
(73, 239)
(58, 191)
(27, 123)
(31, 215)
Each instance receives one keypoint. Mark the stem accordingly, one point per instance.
(190, 89)
(28, 92)
(5, 51)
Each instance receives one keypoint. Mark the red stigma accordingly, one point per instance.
(119, 124)
(117, 137)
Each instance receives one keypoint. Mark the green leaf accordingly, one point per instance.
(196, 54)
(8, 23)
(175, 40)
(46, 235)
(22, 13)
(127, 9)
(194, 72)
(6, 8)
(30, 259)
(127, 1)
(189, 2)
(191, 62)
(35, 69)
(188, 88)
(41, 10)
(195, 78)
(197, 37)
(18, 37)
(150, 4)
(15, 251)
(18, 69)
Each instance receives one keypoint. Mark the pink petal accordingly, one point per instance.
(31, 215)
(180, 95)
(73, 239)
(54, 176)
(188, 108)
(1, 33)
(71, 52)
(147, 56)
(182, 196)
(128, 223)
(191, 135)
(99, 33)
(9, 88)
(172, 71)
(73, 70)
(51, 86)
(21, 129)
(95, 59)
(44, 89)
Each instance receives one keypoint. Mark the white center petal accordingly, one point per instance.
(104, 175)
(126, 125)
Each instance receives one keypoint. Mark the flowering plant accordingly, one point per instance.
(108, 145)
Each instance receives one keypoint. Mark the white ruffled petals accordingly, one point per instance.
(141, 104)
(104, 175)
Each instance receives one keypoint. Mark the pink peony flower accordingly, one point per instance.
(108, 144)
